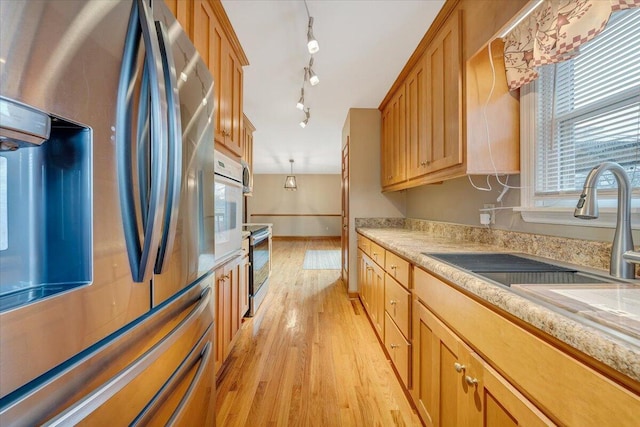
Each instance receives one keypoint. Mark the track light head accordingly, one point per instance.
(300, 104)
(313, 77)
(312, 43)
(307, 115)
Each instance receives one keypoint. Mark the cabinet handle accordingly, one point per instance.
(471, 381)
(393, 267)
(459, 367)
(423, 164)
(394, 346)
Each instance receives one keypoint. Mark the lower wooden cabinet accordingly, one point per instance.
(453, 386)
(371, 282)
(229, 306)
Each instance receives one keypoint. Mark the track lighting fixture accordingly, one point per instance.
(300, 104)
(312, 43)
(309, 75)
(307, 115)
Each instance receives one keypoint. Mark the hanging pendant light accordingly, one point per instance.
(290, 181)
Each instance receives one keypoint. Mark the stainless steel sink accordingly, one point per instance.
(509, 269)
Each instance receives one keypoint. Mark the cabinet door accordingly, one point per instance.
(443, 97)
(247, 136)
(233, 274)
(223, 316)
(362, 278)
(416, 112)
(244, 288)
(184, 13)
(378, 297)
(233, 139)
(497, 403)
(398, 138)
(437, 384)
(385, 146)
(204, 29)
(393, 160)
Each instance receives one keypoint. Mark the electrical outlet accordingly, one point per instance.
(491, 212)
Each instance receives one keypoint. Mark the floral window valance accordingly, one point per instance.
(553, 33)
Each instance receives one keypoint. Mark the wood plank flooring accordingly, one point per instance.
(310, 357)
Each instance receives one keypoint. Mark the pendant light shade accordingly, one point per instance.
(290, 181)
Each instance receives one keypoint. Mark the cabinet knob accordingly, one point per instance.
(423, 164)
(471, 381)
(393, 267)
(393, 302)
(394, 346)
(459, 367)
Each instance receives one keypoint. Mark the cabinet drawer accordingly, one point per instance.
(398, 268)
(377, 254)
(364, 244)
(397, 303)
(398, 348)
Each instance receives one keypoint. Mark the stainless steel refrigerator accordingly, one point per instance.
(106, 216)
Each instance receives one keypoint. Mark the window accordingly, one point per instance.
(582, 112)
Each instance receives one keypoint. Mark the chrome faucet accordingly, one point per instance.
(622, 255)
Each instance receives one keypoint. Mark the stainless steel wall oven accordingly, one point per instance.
(259, 265)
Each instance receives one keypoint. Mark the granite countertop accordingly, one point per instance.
(614, 349)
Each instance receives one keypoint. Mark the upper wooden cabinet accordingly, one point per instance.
(416, 120)
(219, 48)
(247, 137)
(442, 99)
(394, 144)
(183, 11)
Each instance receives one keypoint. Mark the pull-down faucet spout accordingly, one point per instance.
(587, 208)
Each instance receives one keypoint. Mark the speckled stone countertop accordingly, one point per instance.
(618, 352)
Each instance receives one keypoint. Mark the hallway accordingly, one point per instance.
(310, 356)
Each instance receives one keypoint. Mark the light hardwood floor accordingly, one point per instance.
(310, 357)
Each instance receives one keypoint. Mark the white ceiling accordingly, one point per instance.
(363, 46)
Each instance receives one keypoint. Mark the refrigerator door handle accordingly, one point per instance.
(200, 352)
(83, 408)
(142, 148)
(142, 256)
(175, 150)
(205, 355)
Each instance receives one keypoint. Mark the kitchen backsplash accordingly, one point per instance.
(587, 253)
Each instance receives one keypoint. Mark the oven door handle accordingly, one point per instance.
(259, 237)
(228, 181)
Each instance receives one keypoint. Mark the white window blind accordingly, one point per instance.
(588, 112)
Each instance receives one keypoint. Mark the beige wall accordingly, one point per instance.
(362, 127)
(316, 194)
(458, 202)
